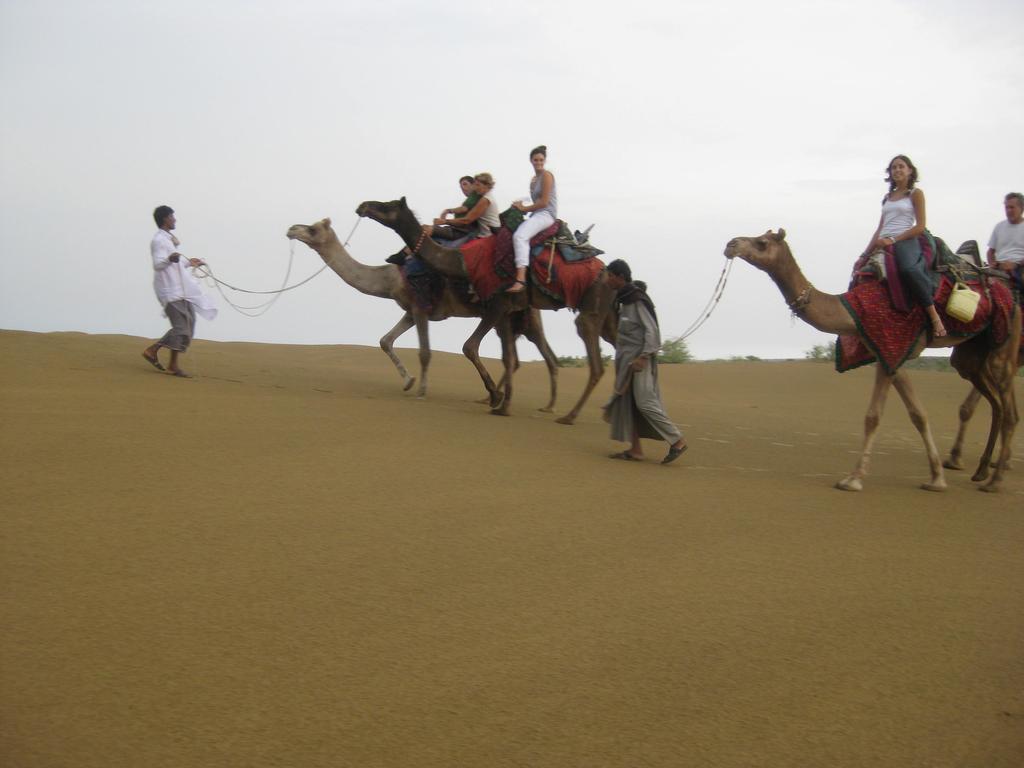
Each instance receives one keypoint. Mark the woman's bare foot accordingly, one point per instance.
(517, 287)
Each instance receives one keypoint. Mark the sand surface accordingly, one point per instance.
(287, 561)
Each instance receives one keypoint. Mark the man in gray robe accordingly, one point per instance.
(635, 410)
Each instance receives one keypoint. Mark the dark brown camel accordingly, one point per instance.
(990, 369)
(596, 318)
(386, 282)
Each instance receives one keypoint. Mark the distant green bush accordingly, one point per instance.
(824, 353)
(579, 362)
(674, 351)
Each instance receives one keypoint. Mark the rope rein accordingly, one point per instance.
(716, 296)
(260, 309)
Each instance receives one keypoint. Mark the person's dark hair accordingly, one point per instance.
(161, 213)
(540, 150)
(619, 268)
(913, 172)
(466, 178)
(1015, 196)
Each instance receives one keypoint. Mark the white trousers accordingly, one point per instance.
(538, 222)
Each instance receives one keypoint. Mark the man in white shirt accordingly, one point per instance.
(1006, 246)
(177, 291)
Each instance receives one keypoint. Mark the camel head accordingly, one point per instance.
(313, 234)
(762, 251)
(392, 215)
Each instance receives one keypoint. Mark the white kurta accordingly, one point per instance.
(173, 281)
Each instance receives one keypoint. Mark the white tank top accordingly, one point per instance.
(897, 216)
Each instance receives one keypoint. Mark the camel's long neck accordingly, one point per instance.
(369, 280)
(820, 310)
(447, 261)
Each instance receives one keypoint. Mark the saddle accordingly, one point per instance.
(889, 331)
(963, 266)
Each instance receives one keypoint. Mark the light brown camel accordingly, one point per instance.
(386, 282)
(990, 369)
(596, 318)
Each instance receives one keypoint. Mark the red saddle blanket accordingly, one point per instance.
(561, 280)
(491, 268)
(888, 336)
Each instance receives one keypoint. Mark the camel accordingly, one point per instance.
(386, 282)
(990, 370)
(966, 412)
(596, 318)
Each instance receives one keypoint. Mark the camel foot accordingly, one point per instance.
(850, 484)
(546, 410)
(989, 487)
(499, 412)
(937, 487)
(952, 463)
(981, 474)
(570, 420)
(409, 384)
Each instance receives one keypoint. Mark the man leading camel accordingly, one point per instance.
(635, 409)
(177, 291)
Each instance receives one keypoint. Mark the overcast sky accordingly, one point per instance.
(671, 126)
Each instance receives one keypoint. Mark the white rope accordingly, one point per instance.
(716, 296)
(260, 309)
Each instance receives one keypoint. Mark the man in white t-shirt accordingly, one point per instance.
(1006, 246)
(177, 291)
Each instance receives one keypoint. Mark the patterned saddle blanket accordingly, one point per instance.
(888, 335)
(938, 258)
(491, 265)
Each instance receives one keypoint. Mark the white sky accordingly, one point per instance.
(673, 126)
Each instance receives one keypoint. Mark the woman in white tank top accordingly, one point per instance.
(902, 221)
(543, 211)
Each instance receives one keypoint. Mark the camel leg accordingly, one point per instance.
(510, 362)
(855, 480)
(996, 385)
(471, 349)
(387, 343)
(423, 331)
(588, 327)
(534, 331)
(501, 381)
(967, 408)
(919, 418)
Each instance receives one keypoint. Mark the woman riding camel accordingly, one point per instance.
(543, 212)
(479, 221)
(902, 221)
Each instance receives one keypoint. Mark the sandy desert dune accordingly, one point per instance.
(287, 561)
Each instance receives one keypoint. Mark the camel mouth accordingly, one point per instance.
(296, 232)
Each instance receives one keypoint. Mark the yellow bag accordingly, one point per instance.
(962, 303)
